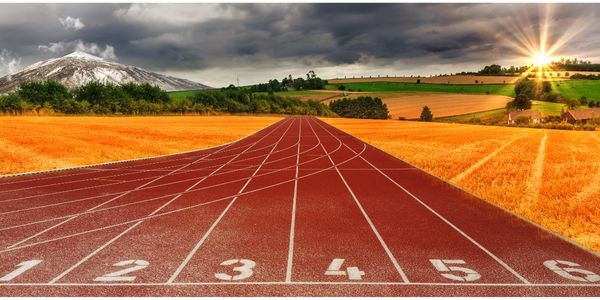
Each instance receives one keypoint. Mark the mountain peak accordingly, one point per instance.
(83, 55)
(79, 68)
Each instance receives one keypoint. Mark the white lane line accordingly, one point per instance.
(136, 172)
(171, 157)
(473, 241)
(141, 221)
(216, 222)
(118, 193)
(362, 210)
(155, 198)
(122, 195)
(324, 283)
(290, 260)
(180, 209)
(128, 181)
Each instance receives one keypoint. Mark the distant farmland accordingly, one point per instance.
(551, 177)
(409, 105)
(452, 79)
(493, 89)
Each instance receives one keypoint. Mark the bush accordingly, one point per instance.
(363, 107)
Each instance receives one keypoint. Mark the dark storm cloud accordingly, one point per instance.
(186, 37)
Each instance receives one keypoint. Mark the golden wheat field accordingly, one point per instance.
(449, 79)
(410, 104)
(550, 177)
(42, 143)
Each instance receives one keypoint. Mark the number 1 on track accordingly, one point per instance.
(22, 268)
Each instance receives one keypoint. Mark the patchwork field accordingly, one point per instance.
(452, 79)
(550, 177)
(409, 105)
(42, 143)
(493, 89)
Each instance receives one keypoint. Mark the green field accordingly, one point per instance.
(575, 89)
(181, 94)
(498, 89)
(483, 115)
(548, 108)
(293, 93)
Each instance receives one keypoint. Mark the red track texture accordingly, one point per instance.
(299, 208)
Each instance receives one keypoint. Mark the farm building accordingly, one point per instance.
(533, 115)
(581, 115)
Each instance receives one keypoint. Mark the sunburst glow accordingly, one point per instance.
(535, 43)
(541, 60)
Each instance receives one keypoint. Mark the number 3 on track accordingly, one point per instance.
(568, 270)
(335, 269)
(244, 271)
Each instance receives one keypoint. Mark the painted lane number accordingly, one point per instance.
(118, 275)
(244, 271)
(22, 268)
(568, 271)
(335, 269)
(444, 266)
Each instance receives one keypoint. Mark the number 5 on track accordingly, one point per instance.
(445, 266)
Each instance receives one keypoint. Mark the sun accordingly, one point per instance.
(541, 60)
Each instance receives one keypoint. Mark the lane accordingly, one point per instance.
(240, 233)
(165, 234)
(56, 259)
(330, 232)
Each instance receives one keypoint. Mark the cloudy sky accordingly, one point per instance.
(216, 43)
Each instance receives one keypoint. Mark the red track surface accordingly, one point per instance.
(267, 215)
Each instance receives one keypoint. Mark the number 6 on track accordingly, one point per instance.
(568, 270)
(442, 266)
(244, 271)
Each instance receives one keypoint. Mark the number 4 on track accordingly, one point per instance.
(335, 269)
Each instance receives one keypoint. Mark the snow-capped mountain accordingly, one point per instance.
(79, 68)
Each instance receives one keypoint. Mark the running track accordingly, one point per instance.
(299, 208)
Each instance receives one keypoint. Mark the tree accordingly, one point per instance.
(521, 102)
(426, 115)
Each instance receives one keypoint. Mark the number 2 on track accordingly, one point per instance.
(22, 268)
(118, 275)
(335, 269)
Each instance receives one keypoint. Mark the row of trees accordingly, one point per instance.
(239, 100)
(136, 99)
(574, 64)
(495, 69)
(312, 82)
